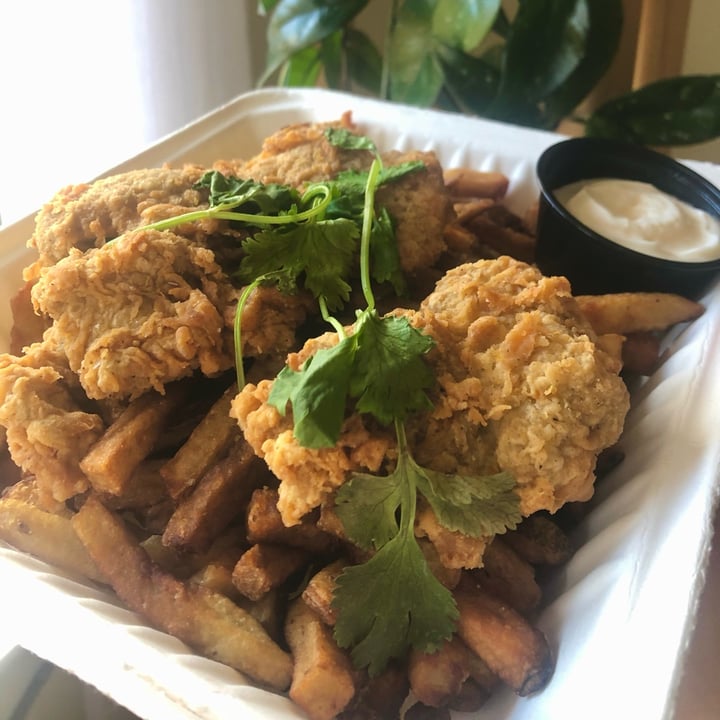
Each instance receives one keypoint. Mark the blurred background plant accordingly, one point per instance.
(532, 64)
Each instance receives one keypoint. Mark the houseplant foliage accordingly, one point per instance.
(532, 68)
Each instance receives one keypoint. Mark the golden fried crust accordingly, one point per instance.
(87, 215)
(297, 155)
(523, 387)
(421, 209)
(48, 432)
(308, 475)
(137, 313)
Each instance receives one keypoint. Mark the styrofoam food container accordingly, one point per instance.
(622, 610)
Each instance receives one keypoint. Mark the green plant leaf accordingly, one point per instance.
(317, 394)
(265, 7)
(676, 111)
(606, 22)
(415, 74)
(464, 25)
(302, 69)
(331, 57)
(296, 24)
(469, 81)
(545, 45)
(364, 62)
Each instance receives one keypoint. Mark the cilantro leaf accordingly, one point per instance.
(390, 604)
(384, 255)
(247, 195)
(367, 505)
(344, 138)
(317, 394)
(390, 377)
(473, 505)
(321, 251)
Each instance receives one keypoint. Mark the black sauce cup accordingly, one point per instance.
(593, 263)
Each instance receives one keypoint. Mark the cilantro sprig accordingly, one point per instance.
(303, 240)
(392, 602)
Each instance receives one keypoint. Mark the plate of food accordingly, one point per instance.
(293, 426)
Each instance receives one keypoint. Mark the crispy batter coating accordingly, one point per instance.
(418, 203)
(88, 214)
(137, 313)
(48, 431)
(522, 387)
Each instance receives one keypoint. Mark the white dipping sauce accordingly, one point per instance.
(639, 216)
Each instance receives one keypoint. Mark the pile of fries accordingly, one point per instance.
(191, 537)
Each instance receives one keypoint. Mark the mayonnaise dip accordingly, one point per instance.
(639, 216)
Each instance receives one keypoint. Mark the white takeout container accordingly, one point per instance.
(622, 610)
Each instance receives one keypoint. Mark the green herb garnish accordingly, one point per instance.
(392, 602)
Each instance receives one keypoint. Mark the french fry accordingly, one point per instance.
(217, 500)
(632, 312)
(264, 567)
(318, 593)
(503, 239)
(323, 681)
(512, 648)
(381, 696)
(45, 535)
(435, 678)
(420, 711)
(641, 353)
(205, 620)
(111, 461)
(466, 182)
(207, 443)
(540, 541)
(264, 524)
(470, 698)
(509, 577)
(145, 487)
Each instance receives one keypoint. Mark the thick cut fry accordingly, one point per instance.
(465, 182)
(641, 353)
(218, 499)
(264, 524)
(207, 443)
(111, 461)
(512, 648)
(471, 697)
(504, 240)
(539, 541)
(145, 487)
(323, 681)
(264, 567)
(435, 678)
(205, 620)
(625, 313)
(318, 593)
(509, 577)
(46, 536)
(420, 711)
(381, 696)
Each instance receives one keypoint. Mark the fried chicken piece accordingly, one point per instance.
(309, 475)
(270, 320)
(522, 387)
(297, 155)
(89, 214)
(137, 313)
(418, 203)
(421, 209)
(48, 430)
